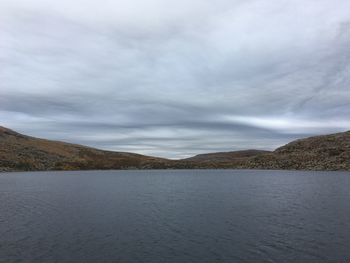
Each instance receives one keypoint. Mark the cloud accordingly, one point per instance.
(175, 78)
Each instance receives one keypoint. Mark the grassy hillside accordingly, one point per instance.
(23, 153)
(20, 152)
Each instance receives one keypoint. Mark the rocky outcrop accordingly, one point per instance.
(327, 152)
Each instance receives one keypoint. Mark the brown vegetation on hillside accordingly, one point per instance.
(327, 152)
(23, 153)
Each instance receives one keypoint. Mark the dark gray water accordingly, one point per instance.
(175, 216)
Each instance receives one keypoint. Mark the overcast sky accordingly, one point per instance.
(175, 78)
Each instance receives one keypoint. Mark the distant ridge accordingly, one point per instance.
(226, 156)
(24, 153)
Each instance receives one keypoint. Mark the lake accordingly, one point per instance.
(175, 216)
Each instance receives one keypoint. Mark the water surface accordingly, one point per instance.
(175, 216)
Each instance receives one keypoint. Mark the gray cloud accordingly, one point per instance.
(177, 78)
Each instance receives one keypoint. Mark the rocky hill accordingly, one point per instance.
(24, 153)
(327, 152)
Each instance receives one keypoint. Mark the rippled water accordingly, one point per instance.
(175, 216)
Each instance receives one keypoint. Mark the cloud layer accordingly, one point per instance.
(175, 78)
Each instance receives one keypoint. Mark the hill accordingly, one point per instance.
(24, 153)
(226, 156)
(234, 159)
(327, 152)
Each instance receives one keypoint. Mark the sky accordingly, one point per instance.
(175, 78)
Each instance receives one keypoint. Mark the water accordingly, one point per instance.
(175, 216)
